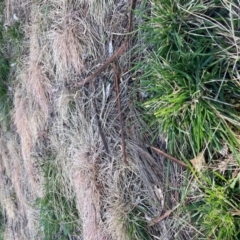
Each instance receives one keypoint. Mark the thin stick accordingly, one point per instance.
(169, 157)
(117, 53)
(160, 218)
(100, 128)
(103, 67)
(116, 82)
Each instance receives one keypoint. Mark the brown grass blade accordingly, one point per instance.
(169, 157)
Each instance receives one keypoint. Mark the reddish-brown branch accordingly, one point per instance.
(103, 67)
(160, 218)
(169, 157)
(117, 53)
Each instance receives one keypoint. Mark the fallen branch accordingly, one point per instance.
(160, 218)
(117, 53)
(100, 128)
(117, 73)
(169, 157)
(103, 67)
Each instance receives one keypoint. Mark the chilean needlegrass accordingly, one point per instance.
(191, 74)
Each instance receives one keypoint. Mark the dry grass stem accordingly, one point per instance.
(55, 147)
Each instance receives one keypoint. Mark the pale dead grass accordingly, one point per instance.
(9, 206)
(23, 125)
(99, 9)
(73, 38)
(31, 104)
(14, 193)
(17, 173)
(6, 203)
(66, 49)
(114, 189)
(125, 193)
(9, 234)
(36, 82)
(88, 195)
(7, 191)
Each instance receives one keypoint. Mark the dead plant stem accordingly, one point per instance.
(117, 74)
(160, 218)
(117, 53)
(169, 157)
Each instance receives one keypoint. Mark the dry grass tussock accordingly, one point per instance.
(31, 104)
(80, 128)
(99, 9)
(21, 183)
(88, 195)
(65, 51)
(73, 39)
(20, 217)
(103, 184)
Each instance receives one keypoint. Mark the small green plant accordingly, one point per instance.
(190, 74)
(137, 224)
(216, 211)
(58, 213)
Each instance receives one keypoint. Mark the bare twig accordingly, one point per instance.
(103, 67)
(100, 128)
(169, 157)
(117, 73)
(117, 53)
(160, 218)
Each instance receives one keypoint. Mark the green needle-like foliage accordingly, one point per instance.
(191, 77)
(191, 74)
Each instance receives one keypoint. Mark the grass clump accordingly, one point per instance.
(137, 224)
(10, 42)
(1, 224)
(191, 74)
(216, 211)
(58, 213)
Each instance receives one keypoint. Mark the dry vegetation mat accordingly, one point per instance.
(74, 159)
(89, 116)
